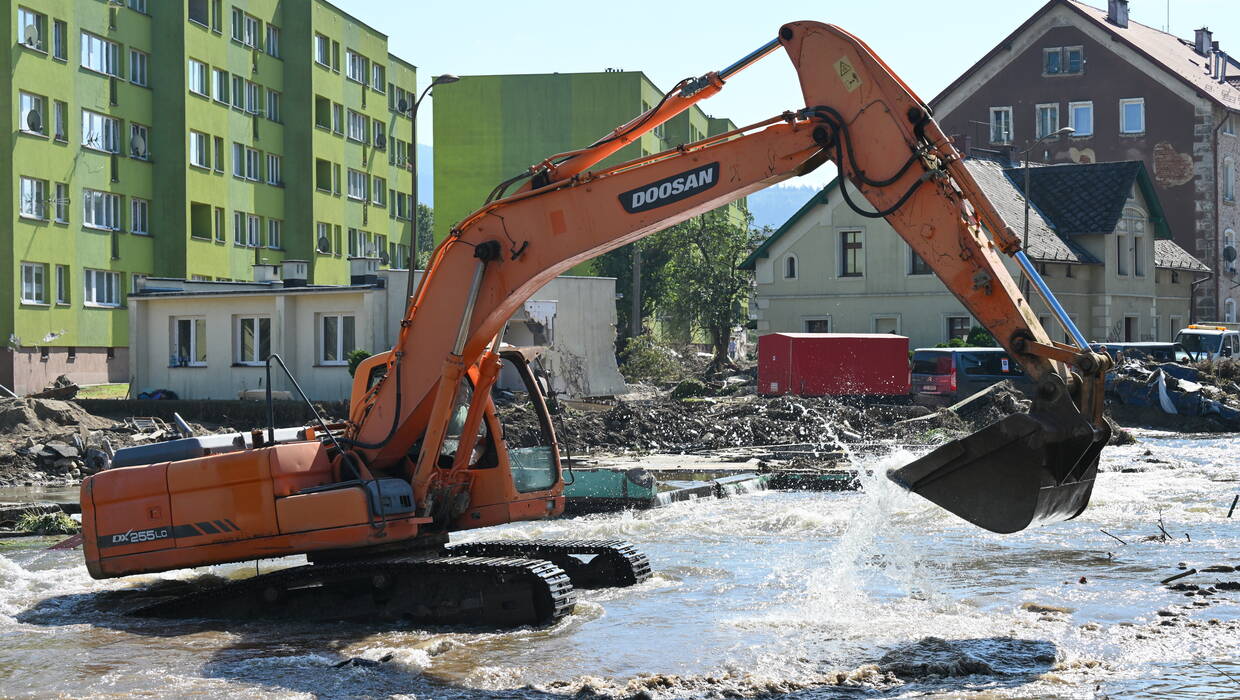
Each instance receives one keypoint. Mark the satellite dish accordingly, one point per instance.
(137, 144)
(324, 244)
(31, 35)
(1229, 253)
(34, 121)
(380, 142)
(403, 105)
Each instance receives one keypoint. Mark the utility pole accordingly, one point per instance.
(635, 314)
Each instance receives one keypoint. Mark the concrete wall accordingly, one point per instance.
(574, 317)
(888, 298)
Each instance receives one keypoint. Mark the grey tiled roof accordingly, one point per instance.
(1080, 198)
(1168, 254)
(1044, 242)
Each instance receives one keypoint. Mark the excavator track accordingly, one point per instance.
(589, 563)
(476, 591)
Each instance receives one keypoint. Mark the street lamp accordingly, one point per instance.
(1066, 131)
(404, 106)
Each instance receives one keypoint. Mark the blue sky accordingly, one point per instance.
(927, 43)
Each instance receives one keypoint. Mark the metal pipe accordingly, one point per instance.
(1048, 296)
(749, 59)
(462, 333)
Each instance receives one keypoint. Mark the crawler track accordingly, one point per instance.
(439, 590)
(589, 563)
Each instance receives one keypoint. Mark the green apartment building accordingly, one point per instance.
(188, 139)
(491, 127)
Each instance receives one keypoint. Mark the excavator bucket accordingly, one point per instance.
(1026, 469)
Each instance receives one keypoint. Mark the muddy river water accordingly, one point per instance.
(804, 595)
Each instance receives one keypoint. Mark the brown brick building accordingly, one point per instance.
(1131, 92)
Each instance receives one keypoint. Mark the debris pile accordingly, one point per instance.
(47, 441)
(1203, 398)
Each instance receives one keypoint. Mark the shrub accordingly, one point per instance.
(645, 360)
(355, 358)
(48, 524)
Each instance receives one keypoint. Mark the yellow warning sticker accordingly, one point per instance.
(847, 74)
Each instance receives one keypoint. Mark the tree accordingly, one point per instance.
(656, 254)
(705, 287)
(426, 235)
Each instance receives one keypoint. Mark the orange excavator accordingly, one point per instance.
(371, 502)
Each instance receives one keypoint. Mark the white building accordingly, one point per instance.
(210, 340)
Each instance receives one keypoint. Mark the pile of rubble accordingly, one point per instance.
(1201, 398)
(51, 442)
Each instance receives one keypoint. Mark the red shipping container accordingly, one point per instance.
(833, 364)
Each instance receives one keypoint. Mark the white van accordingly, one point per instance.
(1208, 342)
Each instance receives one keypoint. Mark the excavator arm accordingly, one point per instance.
(1028, 468)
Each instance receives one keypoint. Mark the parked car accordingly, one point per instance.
(1162, 352)
(943, 376)
(1209, 342)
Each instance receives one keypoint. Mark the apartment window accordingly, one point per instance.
(1063, 60)
(60, 40)
(34, 198)
(353, 247)
(60, 120)
(102, 288)
(379, 192)
(322, 112)
(253, 97)
(335, 178)
(139, 216)
(238, 92)
(197, 11)
(336, 336)
(101, 210)
(1229, 179)
(790, 267)
(62, 285)
(245, 162)
(380, 134)
(244, 28)
(62, 202)
(1133, 223)
(189, 342)
(100, 132)
(398, 96)
(356, 67)
(217, 16)
(322, 50)
(359, 127)
(917, 265)
(31, 28)
(274, 163)
(273, 41)
(275, 233)
(1132, 116)
(253, 230)
(404, 204)
(100, 55)
(239, 228)
(336, 56)
(219, 154)
(817, 325)
(1000, 124)
(198, 78)
(1229, 125)
(852, 254)
(138, 6)
(34, 113)
(958, 327)
(1081, 118)
(400, 152)
(358, 182)
(253, 339)
(1048, 119)
(139, 141)
(322, 175)
(273, 105)
(221, 85)
(338, 118)
(378, 77)
(200, 220)
(200, 149)
(34, 283)
(218, 225)
(1122, 250)
(323, 240)
(138, 63)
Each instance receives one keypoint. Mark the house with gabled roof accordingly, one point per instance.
(1097, 233)
(1130, 92)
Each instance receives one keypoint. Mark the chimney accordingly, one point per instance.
(296, 272)
(1117, 12)
(363, 271)
(1203, 39)
(266, 272)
